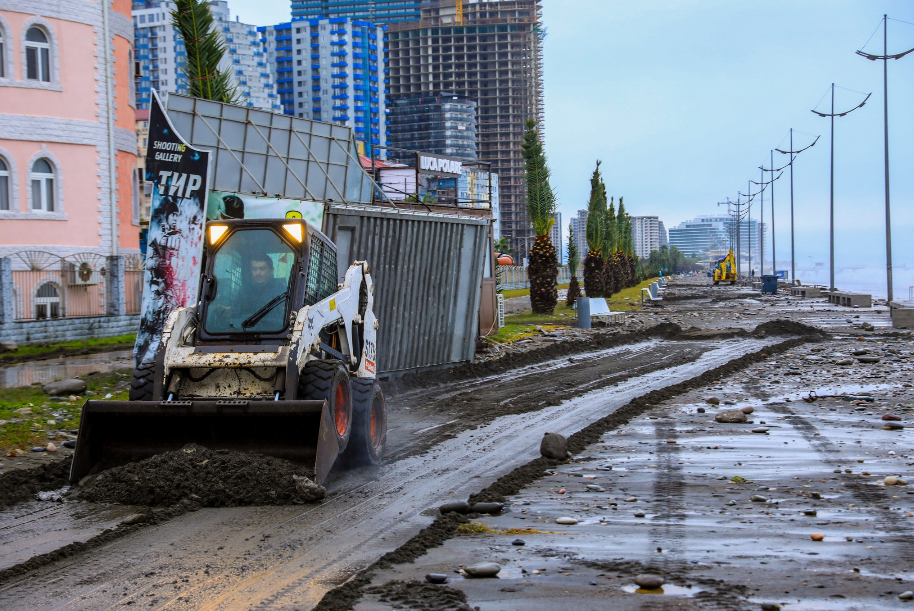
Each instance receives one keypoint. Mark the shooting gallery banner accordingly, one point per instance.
(178, 173)
(222, 205)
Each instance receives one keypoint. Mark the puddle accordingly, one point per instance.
(52, 370)
(667, 588)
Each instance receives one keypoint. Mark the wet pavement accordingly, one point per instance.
(51, 370)
(723, 513)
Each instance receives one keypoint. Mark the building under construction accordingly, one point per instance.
(491, 52)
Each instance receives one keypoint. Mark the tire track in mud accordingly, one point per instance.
(867, 494)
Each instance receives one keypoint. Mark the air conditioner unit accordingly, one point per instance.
(81, 274)
(501, 311)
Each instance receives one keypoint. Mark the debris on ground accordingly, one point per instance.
(212, 478)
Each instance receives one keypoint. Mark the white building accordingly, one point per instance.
(648, 234)
(712, 236)
(579, 224)
(555, 235)
(160, 54)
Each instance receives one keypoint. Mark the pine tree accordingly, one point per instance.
(596, 211)
(543, 269)
(205, 49)
(574, 289)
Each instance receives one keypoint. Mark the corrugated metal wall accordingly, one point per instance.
(427, 269)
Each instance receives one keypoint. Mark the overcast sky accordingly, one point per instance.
(682, 100)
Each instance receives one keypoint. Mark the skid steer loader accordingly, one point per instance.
(275, 358)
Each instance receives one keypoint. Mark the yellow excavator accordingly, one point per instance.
(725, 270)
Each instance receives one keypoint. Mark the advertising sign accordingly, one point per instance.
(222, 205)
(438, 165)
(178, 174)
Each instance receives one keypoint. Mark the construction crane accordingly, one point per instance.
(459, 5)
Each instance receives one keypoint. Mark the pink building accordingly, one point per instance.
(67, 111)
(69, 191)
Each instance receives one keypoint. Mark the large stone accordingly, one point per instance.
(74, 386)
(731, 416)
(8, 345)
(554, 446)
(649, 582)
(455, 507)
(713, 401)
(490, 508)
(483, 569)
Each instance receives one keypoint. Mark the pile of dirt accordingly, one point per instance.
(19, 485)
(786, 327)
(211, 478)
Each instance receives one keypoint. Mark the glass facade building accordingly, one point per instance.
(442, 124)
(375, 11)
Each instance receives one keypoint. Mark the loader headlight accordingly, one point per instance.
(294, 230)
(216, 232)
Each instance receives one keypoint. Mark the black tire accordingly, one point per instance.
(369, 423)
(329, 380)
(142, 383)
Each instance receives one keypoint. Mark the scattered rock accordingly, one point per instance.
(892, 480)
(844, 362)
(38, 449)
(122, 384)
(490, 508)
(771, 607)
(436, 578)
(893, 426)
(134, 518)
(731, 416)
(713, 401)
(73, 386)
(909, 595)
(554, 446)
(595, 488)
(809, 512)
(455, 507)
(868, 359)
(518, 542)
(758, 498)
(69, 443)
(701, 410)
(817, 536)
(891, 417)
(867, 327)
(649, 582)
(307, 489)
(760, 429)
(50, 447)
(639, 514)
(483, 569)
(566, 520)
(747, 410)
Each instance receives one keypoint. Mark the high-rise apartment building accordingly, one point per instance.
(490, 52)
(377, 11)
(442, 123)
(332, 70)
(160, 55)
(579, 224)
(648, 234)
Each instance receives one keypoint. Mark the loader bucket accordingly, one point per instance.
(113, 433)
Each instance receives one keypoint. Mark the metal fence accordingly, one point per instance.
(48, 286)
(428, 270)
(515, 277)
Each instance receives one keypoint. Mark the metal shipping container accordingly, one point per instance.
(427, 270)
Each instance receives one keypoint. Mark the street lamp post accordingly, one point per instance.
(793, 155)
(885, 57)
(832, 116)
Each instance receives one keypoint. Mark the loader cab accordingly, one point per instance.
(257, 274)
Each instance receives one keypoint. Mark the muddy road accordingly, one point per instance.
(449, 438)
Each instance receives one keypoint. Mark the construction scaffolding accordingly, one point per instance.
(495, 58)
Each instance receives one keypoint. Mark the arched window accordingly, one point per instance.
(47, 302)
(4, 181)
(37, 56)
(42, 180)
(2, 55)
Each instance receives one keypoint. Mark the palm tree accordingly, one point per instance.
(574, 259)
(596, 211)
(503, 246)
(194, 21)
(543, 269)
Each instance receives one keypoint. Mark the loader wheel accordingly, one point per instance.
(142, 382)
(329, 380)
(369, 423)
